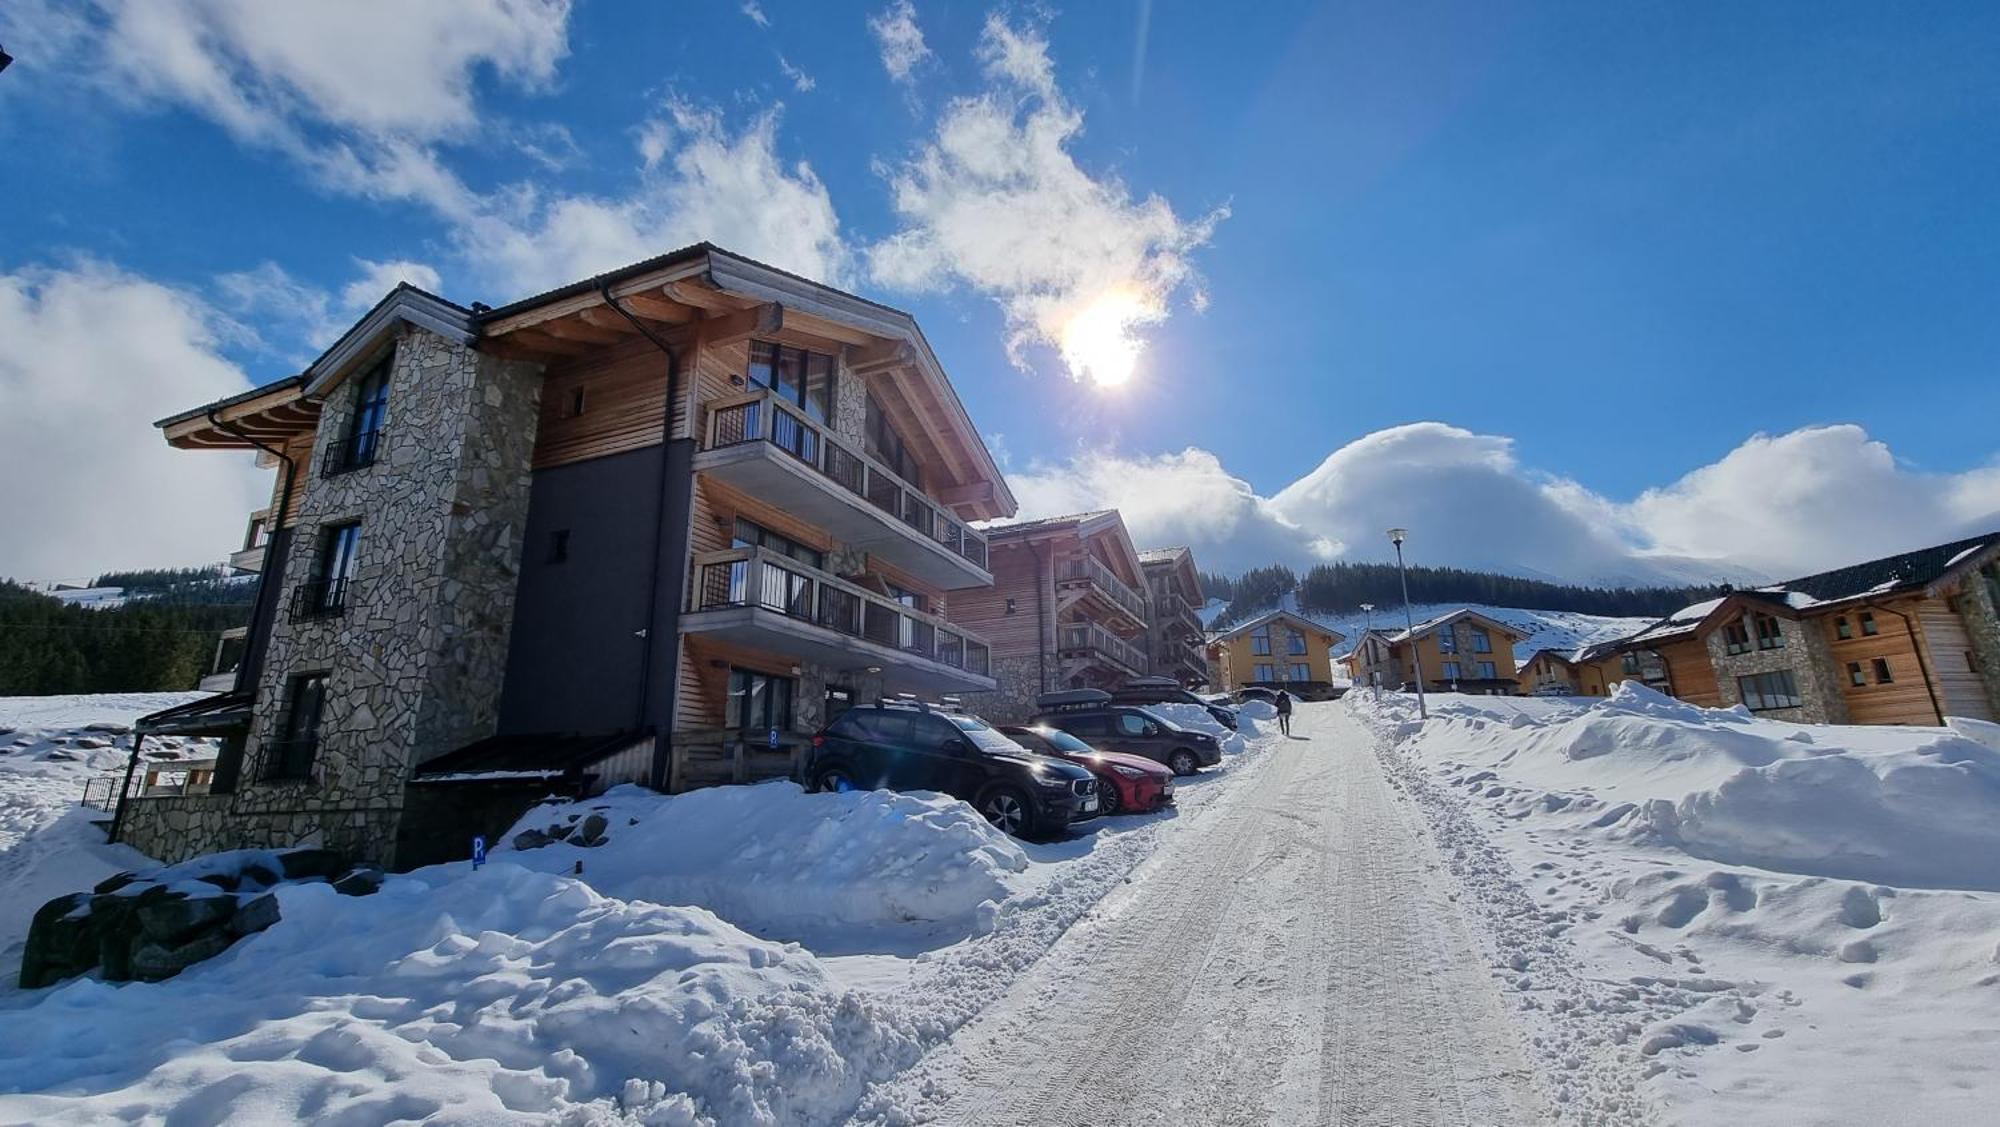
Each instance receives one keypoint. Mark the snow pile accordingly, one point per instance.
(475, 997)
(778, 861)
(1195, 718)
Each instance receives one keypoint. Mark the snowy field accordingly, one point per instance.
(736, 955)
(1769, 923)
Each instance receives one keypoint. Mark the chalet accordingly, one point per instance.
(1067, 609)
(1549, 671)
(1174, 590)
(1906, 639)
(655, 526)
(1278, 649)
(1460, 651)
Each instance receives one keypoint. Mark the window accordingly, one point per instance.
(1451, 672)
(1630, 664)
(1132, 724)
(1854, 674)
(289, 757)
(325, 594)
(1842, 628)
(577, 402)
(1763, 692)
(1769, 635)
(1301, 671)
(1448, 641)
(1262, 673)
(1868, 625)
(558, 546)
(750, 534)
(364, 431)
(1010, 606)
(1295, 642)
(1882, 675)
(1736, 638)
(1260, 641)
(913, 599)
(804, 379)
(888, 447)
(1486, 671)
(1482, 643)
(759, 702)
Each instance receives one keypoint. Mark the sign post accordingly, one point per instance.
(478, 852)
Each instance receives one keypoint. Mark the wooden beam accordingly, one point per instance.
(570, 329)
(655, 308)
(510, 348)
(537, 341)
(971, 493)
(880, 357)
(822, 327)
(701, 297)
(764, 320)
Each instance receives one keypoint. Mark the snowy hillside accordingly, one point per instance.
(1777, 923)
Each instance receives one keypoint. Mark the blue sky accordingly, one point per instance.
(1602, 247)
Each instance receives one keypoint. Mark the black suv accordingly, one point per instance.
(897, 746)
(1163, 691)
(1093, 717)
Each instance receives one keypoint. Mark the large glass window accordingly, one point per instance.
(1300, 671)
(1487, 671)
(326, 592)
(290, 755)
(1261, 673)
(750, 534)
(1260, 641)
(1769, 635)
(804, 379)
(759, 702)
(1482, 642)
(371, 412)
(1763, 692)
(1295, 642)
(1736, 637)
(1448, 640)
(1450, 671)
(886, 446)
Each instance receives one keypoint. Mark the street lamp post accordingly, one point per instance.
(1374, 678)
(1396, 537)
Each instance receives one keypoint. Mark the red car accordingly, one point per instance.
(1126, 784)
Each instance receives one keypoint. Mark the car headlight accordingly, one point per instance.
(1128, 772)
(1053, 782)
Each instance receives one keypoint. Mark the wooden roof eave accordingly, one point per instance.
(270, 421)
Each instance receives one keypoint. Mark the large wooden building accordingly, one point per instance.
(1906, 639)
(655, 526)
(1174, 594)
(1459, 651)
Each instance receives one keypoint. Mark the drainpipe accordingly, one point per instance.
(660, 522)
(1916, 647)
(1042, 618)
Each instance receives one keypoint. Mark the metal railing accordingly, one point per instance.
(1090, 569)
(765, 417)
(353, 452)
(759, 577)
(320, 598)
(1091, 636)
(288, 761)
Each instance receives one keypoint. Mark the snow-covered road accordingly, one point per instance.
(1299, 958)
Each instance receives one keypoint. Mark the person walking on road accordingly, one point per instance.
(1284, 712)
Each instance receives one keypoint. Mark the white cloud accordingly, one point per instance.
(378, 67)
(295, 319)
(755, 11)
(89, 357)
(1171, 499)
(801, 81)
(1809, 500)
(900, 39)
(1776, 506)
(995, 202)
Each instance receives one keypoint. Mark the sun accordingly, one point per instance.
(1099, 343)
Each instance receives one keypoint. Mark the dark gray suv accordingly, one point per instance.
(1093, 717)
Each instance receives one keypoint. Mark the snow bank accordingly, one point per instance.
(778, 861)
(1195, 718)
(499, 996)
(1914, 807)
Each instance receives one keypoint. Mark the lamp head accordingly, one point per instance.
(1398, 535)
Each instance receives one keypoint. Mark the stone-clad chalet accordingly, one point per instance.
(655, 526)
(1906, 639)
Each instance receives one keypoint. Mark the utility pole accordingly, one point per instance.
(1396, 537)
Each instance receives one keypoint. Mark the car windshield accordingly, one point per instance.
(982, 735)
(1062, 741)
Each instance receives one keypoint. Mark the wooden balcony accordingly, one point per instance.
(1090, 573)
(1092, 640)
(758, 598)
(768, 448)
(250, 557)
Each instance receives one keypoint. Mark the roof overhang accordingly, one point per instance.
(262, 416)
(406, 304)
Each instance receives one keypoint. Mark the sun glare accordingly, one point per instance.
(1099, 343)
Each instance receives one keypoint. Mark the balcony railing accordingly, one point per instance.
(320, 598)
(288, 761)
(1092, 570)
(759, 577)
(1091, 636)
(353, 452)
(767, 418)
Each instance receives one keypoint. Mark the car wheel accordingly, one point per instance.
(1108, 802)
(833, 780)
(1183, 762)
(1007, 809)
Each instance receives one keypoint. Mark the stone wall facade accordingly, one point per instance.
(1013, 702)
(1979, 607)
(415, 661)
(1806, 653)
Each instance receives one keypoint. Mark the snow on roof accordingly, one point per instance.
(1162, 555)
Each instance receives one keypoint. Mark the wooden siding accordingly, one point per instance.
(704, 684)
(1905, 700)
(1691, 673)
(1949, 648)
(1016, 576)
(300, 450)
(625, 390)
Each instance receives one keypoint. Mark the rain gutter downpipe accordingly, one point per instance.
(1917, 648)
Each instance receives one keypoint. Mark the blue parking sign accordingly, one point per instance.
(774, 739)
(478, 852)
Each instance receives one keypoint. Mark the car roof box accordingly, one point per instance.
(1152, 683)
(1073, 698)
